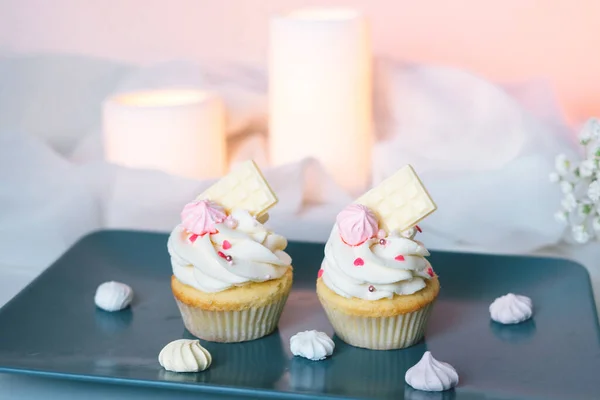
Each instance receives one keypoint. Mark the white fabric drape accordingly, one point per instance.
(483, 150)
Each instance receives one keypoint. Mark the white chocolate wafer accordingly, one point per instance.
(243, 188)
(400, 201)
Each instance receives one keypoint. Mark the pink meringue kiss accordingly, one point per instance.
(200, 217)
(357, 223)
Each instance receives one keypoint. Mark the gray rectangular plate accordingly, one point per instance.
(52, 328)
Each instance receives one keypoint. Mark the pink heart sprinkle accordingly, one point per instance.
(430, 271)
(320, 274)
(359, 262)
(399, 258)
(193, 237)
(226, 245)
(221, 254)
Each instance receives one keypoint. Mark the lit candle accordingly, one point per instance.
(320, 84)
(176, 131)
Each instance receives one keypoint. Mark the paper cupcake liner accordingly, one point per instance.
(232, 326)
(380, 333)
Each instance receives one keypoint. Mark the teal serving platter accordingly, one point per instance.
(53, 329)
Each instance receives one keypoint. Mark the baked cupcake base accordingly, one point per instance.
(238, 314)
(379, 324)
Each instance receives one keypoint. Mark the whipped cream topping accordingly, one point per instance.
(376, 269)
(511, 309)
(431, 375)
(113, 296)
(313, 345)
(410, 233)
(184, 355)
(242, 250)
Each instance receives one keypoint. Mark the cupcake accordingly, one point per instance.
(231, 275)
(375, 284)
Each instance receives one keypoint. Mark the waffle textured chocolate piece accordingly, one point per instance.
(243, 188)
(400, 201)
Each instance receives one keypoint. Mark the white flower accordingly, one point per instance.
(587, 168)
(585, 136)
(596, 224)
(580, 234)
(561, 216)
(589, 131)
(569, 203)
(583, 210)
(566, 187)
(579, 181)
(594, 191)
(562, 164)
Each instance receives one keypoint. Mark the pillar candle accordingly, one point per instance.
(320, 100)
(178, 131)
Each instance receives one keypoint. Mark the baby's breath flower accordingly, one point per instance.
(587, 168)
(569, 202)
(580, 234)
(566, 187)
(584, 209)
(562, 164)
(593, 151)
(594, 191)
(594, 126)
(590, 132)
(585, 137)
(596, 224)
(579, 180)
(561, 216)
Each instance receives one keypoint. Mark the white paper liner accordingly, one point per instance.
(380, 333)
(232, 326)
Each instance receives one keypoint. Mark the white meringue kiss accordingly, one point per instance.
(511, 309)
(184, 355)
(313, 345)
(113, 296)
(431, 375)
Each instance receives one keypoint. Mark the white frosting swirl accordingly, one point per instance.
(313, 345)
(184, 355)
(257, 255)
(372, 271)
(431, 375)
(511, 309)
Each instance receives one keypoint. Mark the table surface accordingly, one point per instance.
(33, 388)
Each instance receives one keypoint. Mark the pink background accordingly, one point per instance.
(508, 40)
